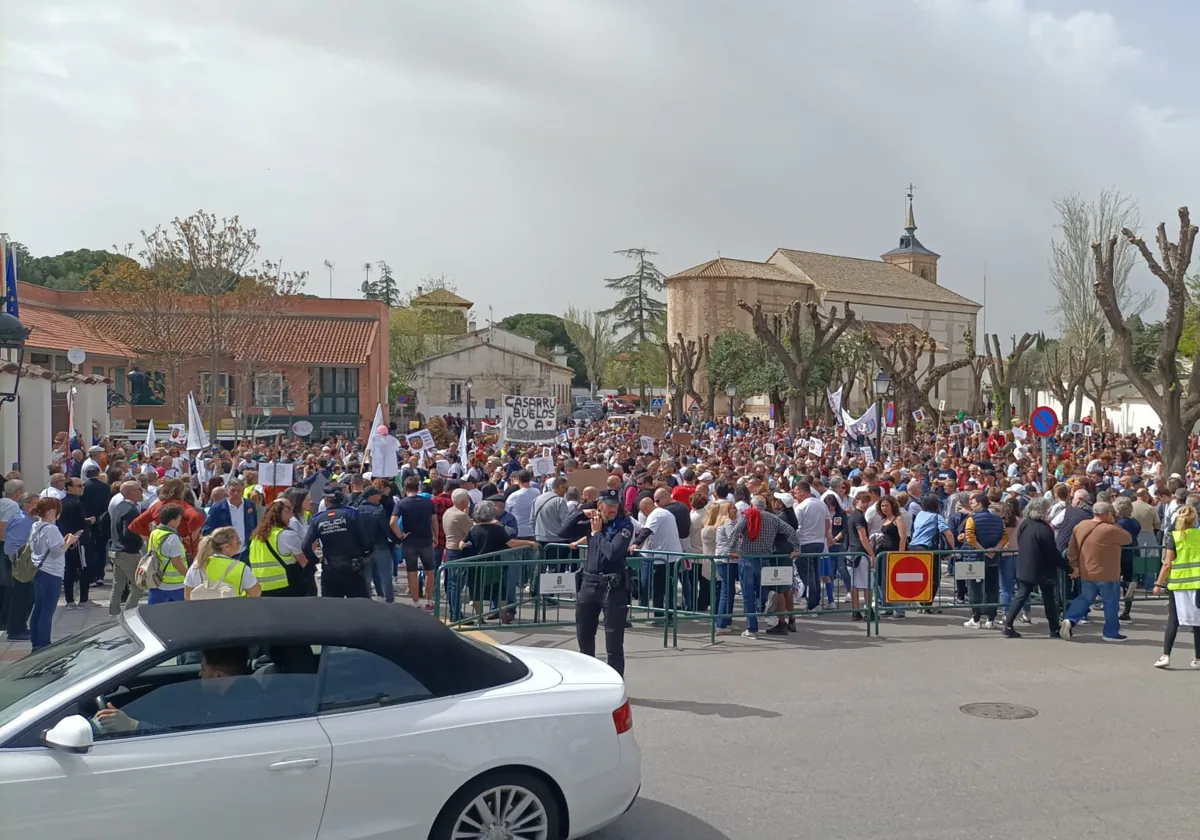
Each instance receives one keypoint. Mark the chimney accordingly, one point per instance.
(560, 355)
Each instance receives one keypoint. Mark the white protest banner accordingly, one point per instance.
(542, 466)
(919, 415)
(529, 419)
(890, 431)
(835, 401)
(956, 429)
(1087, 430)
(547, 451)
(1075, 428)
(646, 444)
(941, 405)
(420, 441)
(864, 425)
(1019, 434)
(177, 433)
(769, 448)
(816, 447)
(275, 475)
(868, 453)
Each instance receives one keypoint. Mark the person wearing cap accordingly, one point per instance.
(603, 581)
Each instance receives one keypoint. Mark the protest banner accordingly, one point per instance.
(420, 441)
(596, 477)
(529, 419)
(655, 427)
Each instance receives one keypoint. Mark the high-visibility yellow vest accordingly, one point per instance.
(226, 569)
(1185, 568)
(170, 575)
(269, 571)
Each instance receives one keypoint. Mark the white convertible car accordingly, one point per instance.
(297, 718)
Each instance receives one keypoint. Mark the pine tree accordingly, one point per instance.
(385, 287)
(637, 310)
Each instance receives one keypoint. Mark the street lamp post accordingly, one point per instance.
(673, 389)
(470, 431)
(12, 338)
(731, 392)
(883, 386)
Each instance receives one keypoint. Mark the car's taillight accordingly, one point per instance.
(623, 718)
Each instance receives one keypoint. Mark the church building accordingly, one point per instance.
(901, 287)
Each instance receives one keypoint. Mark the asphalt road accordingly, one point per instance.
(829, 734)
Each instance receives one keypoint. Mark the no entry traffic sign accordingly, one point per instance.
(909, 576)
(1044, 421)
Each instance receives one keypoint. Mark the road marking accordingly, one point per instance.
(480, 636)
(909, 577)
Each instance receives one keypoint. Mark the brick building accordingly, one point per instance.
(321, 360)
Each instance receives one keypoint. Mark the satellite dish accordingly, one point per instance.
(76, 355)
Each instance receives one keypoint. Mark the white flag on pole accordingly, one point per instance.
(375, 424)
(148, 446)
(197, 438)
(462, 445)
(835, 401)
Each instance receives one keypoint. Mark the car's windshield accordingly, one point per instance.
(41, 674)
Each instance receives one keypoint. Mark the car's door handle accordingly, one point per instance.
(294, 764)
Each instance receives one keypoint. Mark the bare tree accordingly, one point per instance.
(593, 334)
(1176, 402)
(1066, 370)
(901, 358)
(978, 366)
(1005, 373)
(687, 355)
(1072, 274)
(796, 347)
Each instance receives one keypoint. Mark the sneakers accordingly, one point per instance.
(1124, 617)
(1116, 638)
(1082, 621)
(1164, 661)
(727, 631)
(1065, 629)
(1196, 664)
(1024, 618)
(746, 634)
(972, 624)
(427, 606)
(988, 624)
(780, 629)
(856, 616)
(1010, 633)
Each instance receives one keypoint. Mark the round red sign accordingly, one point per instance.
(910, 577)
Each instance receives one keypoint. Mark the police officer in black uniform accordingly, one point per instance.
(343, 572)
(604, 581)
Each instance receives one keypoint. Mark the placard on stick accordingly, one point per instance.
(596, 477)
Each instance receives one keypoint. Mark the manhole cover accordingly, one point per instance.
(998, 711)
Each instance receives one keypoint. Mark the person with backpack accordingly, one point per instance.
(164, 573)
(48, 548)
(985, 532)
(215, 574)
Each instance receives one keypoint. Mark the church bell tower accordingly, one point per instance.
(911, 255)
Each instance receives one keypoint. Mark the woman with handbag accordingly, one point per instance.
(48, 548)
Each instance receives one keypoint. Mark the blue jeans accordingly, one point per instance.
(726, 574)
(1110, 593)
(382, 561)
(454, 586)
(1008, 581)
(46, 588)
(750, 574)
(164, 596)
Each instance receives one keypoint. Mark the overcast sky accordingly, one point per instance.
(515, 144)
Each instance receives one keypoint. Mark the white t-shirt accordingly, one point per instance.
(385, 461)
(664, 532)
(171, 546)
(195, 577)
(54, 493)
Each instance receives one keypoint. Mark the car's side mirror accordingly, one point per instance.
(71, 734)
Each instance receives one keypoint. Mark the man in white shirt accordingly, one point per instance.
(385, 456)
(57, 488)
(657, 531)
(237, 509)
(814, 528)
(92, 459)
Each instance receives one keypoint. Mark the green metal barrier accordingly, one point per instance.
(686, 582)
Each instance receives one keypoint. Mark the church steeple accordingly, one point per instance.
(910, 254)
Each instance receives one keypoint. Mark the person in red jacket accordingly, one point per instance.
(683, 492)
(172, 491)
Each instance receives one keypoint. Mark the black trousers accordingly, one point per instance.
(298, 580)
(1021, 597)
(1173, 627)
(95, 556)
(341, 580)
(76, 572)
(19, 601)
(594, 596)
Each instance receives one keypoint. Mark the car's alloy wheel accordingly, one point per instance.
(503, 812)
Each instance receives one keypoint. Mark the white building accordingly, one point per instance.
(496, 362)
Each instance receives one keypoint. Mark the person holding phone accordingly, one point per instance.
(48, 548)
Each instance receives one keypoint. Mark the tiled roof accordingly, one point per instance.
(454, 351)
(441, 297)
(739, 270)
(284, 339)
(850, 275)
(54, 330)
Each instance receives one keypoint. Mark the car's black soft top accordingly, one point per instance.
(429, 650)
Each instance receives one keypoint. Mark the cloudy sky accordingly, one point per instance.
(515, 144)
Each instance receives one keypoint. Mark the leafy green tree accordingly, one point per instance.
(385, 288)
(739, 358)
(549, 332)
(67, 272)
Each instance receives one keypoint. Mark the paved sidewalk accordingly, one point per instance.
(66, 623)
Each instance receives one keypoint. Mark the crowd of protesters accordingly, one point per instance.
(729, 494)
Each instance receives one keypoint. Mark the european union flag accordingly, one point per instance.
(10, 283)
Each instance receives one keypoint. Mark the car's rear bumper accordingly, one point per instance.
(610, 796)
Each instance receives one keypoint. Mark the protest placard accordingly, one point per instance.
(529, 419)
